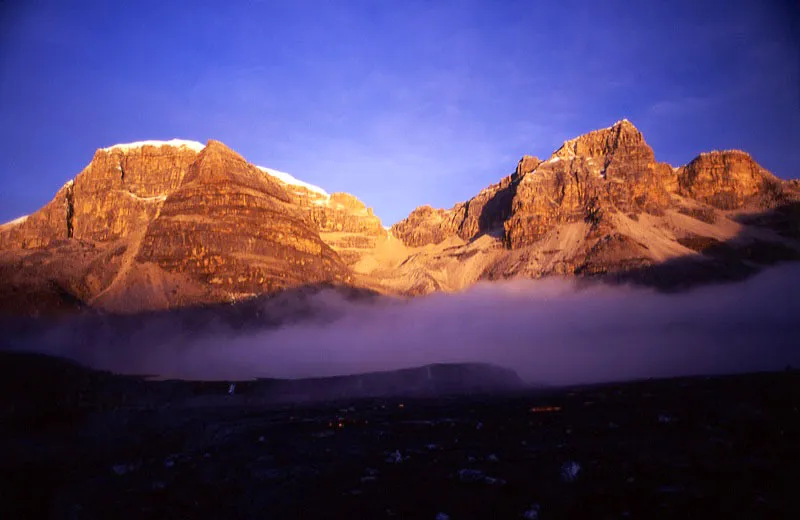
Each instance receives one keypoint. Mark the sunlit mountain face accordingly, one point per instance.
(159, 225)
(399, 260)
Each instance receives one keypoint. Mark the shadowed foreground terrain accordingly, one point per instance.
(83, 444)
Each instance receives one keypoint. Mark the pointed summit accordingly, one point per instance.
(620, 138)
(603, 171)
(216, 149)
(624, 126)
(218, 163)
(624, 122)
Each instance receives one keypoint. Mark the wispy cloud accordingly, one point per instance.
(680, 107)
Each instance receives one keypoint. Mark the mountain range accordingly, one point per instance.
(156, 225)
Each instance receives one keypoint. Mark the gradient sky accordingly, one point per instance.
(400, 103)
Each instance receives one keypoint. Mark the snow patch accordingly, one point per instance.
(16, 221)
(554, 160)
(623, 120)
(157, 198)
(288, 179)
(177, 143)
(729, 150)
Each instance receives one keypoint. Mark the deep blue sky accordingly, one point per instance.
(400, 103)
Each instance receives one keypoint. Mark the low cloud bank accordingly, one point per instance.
(548, 331)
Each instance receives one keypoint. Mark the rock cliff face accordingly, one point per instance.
(729, 180)
(156, 225)
(588, 179)
(54, 221)
(344, 222)
(603, 171)
(601, 205)
(426, 225)
(175, 223)
(484, 213)
(118, 192)
(348, 226)
(612, 169)
(230, 226)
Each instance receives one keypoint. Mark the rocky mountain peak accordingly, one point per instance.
(622, 138)
(527, 164)
(158, 224)
(623, 123)
(540, 193)
(728, 179)
(214, 149)
(212, 145)
(217, 163)
(604, 171)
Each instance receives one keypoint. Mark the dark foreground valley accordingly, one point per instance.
(465, 442)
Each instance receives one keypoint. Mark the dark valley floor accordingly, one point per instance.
(705, 447)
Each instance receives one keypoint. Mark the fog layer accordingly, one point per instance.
(549, 331)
